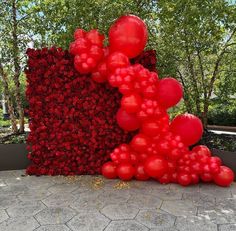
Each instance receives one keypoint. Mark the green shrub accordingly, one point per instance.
(222, 113)
(4, 123)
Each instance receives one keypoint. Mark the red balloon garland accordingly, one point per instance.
(161, 148)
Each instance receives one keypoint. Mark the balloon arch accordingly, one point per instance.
(160, 148)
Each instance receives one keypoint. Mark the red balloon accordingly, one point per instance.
(184, 179)
(151, 127)
(142, 157)
(216, 159)
(202, 150)
(96, 52)
(126, 121)
(117, 60)
(109, 170)
(169, 92)
(128, 35)
(225, 177)
(126, 88)
(196, 168)
(79, 33)
(171, 166)
(195, 178)
(214, 167)
(163, 146)
(140, 174)
(188, 126)
(101, 73)
(131, 103)
(95, 37)
(125, 171)
(155, 166)
(174, 177)
(140, 143)
(206, 177)
(124, 157)
(133, 158)
(81, 45)
(115, 157)
(165, 179)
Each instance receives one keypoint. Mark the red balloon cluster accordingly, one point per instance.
(88, 50)
(160, 149)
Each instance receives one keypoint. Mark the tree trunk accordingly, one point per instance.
(204, 114)
(16, 62)
(7, 95)
(187, 102)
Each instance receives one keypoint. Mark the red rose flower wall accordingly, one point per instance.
(79, 122)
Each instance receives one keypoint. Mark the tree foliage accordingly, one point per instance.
(194, 39)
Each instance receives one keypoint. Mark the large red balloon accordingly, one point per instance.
(225, 177)
(188, 126)
(169, 92)
(128, 35)
(155, 166)
(125, 171)
(126, 121)
(109, 170)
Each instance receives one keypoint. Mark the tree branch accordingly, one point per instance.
(217, 63)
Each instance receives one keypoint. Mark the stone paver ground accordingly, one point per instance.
(92, 203)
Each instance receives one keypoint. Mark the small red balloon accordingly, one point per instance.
(101, 73)
(195, 178)
(79, 33)
(117, 60)
(151, 127)
(109, 170)
(140, 174)
(169, 92)
(188, 126)
(225, 177)
(206, 177)
(142, 157)
(95, 37)
(165, 179)
(202, 150)
(184, 179)
(128, 35)
(140, 143)
(216, 159)
(124, 157)
(155, 166)
(126, 121)
(131, 103)
(125, 171)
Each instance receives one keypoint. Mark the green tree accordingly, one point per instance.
(193, 40)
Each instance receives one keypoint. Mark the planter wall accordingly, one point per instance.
(228, 158)
(13, 156)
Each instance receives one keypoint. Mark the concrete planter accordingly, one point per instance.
(13, 156)
(228, 158)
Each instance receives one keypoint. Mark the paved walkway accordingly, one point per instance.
(86, 203)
